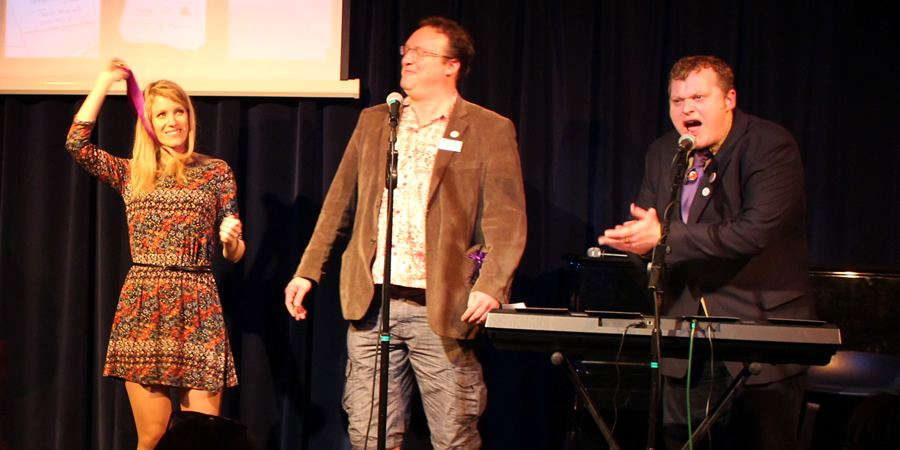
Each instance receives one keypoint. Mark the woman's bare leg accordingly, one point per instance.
(205, 402)
(151, 407)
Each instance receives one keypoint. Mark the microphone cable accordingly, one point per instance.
(375, 374)
(612, 429)
(690, 362)
(710, 334)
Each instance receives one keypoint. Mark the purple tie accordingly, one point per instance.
(691, 182)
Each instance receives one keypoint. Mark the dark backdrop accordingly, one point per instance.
(585, 84)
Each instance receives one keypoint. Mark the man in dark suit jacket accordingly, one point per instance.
(738, 248)
(459, 233)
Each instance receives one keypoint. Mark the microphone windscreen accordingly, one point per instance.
(557, 358)
(687, 142)
(394, 97)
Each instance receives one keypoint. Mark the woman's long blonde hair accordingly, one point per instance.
(149, 161)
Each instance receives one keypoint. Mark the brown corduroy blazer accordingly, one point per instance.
(476, 201)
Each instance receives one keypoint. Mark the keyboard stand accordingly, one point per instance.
(558, 359)
(727, 397)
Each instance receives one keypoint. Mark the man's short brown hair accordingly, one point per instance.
(690, 64)
(461, 47)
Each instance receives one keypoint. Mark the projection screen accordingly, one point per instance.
(292, 48)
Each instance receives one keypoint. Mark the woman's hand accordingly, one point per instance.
(230, 234)
(111, 74)
(116, 70)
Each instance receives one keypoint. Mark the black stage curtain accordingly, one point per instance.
(585, 83)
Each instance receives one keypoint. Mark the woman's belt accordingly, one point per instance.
(192, 269)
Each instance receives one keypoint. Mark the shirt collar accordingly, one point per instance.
(445, 115)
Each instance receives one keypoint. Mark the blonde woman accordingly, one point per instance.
(168, 330)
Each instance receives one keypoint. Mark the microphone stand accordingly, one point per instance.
(655, 272)
(390, 183)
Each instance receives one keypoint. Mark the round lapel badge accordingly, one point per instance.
(692, 175)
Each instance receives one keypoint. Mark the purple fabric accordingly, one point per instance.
(691, 182)
(478, 258)
(136, 98)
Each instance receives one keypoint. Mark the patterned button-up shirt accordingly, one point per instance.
(416, 147)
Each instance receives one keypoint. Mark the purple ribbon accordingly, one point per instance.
(477, 259)
(136, 98)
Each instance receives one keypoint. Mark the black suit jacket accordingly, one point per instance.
(744, 248)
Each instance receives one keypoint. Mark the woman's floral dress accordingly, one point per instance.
(168, 328)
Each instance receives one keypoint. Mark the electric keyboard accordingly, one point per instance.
(627, 335)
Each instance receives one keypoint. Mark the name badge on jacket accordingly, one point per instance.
(450, 145)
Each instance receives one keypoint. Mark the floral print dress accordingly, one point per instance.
(168, 328)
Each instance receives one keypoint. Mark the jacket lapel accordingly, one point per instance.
(460, 124)
(717, 167)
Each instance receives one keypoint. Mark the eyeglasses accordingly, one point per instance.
(419, 53)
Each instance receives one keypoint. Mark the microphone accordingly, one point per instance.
(393, 101)
(597, 252)
(687, 142)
